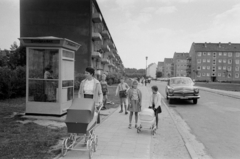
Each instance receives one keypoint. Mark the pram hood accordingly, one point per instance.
(79, 115)
(147, 111)
(81, 111)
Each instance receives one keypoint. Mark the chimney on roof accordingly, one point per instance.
(205, 44)
(229, 43)
(219, 45)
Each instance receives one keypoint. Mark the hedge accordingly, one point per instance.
(12, 82)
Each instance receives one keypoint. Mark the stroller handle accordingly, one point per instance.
(98, 107)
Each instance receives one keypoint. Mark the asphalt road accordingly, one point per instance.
(215, 122)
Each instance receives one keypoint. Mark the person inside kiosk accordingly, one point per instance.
(90, 87)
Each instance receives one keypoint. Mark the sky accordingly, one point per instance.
(152, 28)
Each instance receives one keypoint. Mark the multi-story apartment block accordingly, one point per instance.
(180, 64)
(215, 61)
(160, 67)
(78, 20)
(168, 67)
(151, 70)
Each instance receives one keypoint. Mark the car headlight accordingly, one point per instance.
(171, 91)
(196, 91)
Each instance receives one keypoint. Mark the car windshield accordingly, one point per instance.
(181, 81)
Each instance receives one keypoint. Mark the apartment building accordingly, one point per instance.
(180, 64)
(160, 67)
(215, 61)
(168, 67)
(78, 20)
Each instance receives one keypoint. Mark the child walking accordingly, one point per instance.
(121, 90)
(135, 101)
(155, 102)
(104, 90)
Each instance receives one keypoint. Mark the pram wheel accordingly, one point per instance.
(95, 143)
(64, 149)
(90, 148)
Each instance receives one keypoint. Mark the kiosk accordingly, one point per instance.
(49, 75)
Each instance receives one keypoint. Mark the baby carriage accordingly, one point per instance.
(147, 120)
(81, 121)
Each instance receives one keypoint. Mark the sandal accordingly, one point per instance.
(129, 126)
(120, 111)
(135, 125)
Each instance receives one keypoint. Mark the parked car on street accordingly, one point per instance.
(181, 88)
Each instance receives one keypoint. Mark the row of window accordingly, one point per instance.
(229, 75)
(229, 68)
(229, 54)
(229, 61)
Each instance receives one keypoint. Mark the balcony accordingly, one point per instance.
(96, 36)
(105, 48)
(110, 54)
(105, 61)
(96, 18)
(105, 34)
(96, 55)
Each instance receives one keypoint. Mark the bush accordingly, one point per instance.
(12, 82)
(113, 78)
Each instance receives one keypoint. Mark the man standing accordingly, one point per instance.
(104, 90)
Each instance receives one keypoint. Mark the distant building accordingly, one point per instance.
(151, 70)
(160, 67)
(215, 61)
(180, 64)
(168, 67)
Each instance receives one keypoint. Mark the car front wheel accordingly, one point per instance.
(194, 101)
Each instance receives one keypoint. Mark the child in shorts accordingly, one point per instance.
(121, 91)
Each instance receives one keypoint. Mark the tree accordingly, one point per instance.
(158, 74)
(17, 56)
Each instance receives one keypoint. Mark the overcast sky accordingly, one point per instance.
(153, 28)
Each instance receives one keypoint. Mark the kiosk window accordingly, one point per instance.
(43, 75)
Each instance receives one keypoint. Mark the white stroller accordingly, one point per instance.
(147, 120)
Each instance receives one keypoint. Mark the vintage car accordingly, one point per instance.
(181, 88)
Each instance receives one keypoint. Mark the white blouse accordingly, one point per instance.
(88, 87)
(156, 99)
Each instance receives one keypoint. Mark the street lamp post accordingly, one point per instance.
(146, 65)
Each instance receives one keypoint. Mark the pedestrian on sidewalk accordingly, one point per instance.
(134, 104)
(104, 86)
(121, 91)
(90, 87)
(156, 102)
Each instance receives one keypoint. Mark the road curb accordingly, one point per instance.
(188, 146)
(220, 93)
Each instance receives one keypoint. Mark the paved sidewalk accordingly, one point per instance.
(116, 141)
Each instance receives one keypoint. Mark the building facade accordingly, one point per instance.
(151, 70)
(168, 67)
(160, 67)
(180, 64)
(215, 61)
(78, 20)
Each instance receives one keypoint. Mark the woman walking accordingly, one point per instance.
(121, 90)
(135, 102)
